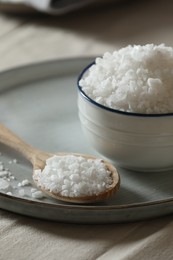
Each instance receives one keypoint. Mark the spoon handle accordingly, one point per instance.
(8, 138)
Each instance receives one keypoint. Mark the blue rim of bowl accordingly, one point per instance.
(111, 109)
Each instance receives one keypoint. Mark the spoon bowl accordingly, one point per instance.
(38, 160)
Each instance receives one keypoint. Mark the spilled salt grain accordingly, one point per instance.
(33, 190)
(9, 193)
(37, 195)
(4, 185)
(22, 192)
(3, 173)
(74, 176)
(134, 79)
(23, 183)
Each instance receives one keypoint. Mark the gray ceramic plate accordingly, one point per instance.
(39, 103)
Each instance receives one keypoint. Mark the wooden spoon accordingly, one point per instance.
(38, 159)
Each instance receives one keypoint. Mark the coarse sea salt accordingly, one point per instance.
(37, 194)
(4, 185)
(22, 192)
(6, 176)
(135, 79)
(74, 176)
(9, 193)
(23, 183)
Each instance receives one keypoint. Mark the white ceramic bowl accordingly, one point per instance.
(135, 141)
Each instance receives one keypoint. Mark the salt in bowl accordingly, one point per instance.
(141, 142)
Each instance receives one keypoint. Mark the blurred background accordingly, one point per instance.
(41, 30)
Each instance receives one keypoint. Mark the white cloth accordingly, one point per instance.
(32, 239)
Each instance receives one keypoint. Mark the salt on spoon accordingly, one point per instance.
(80, 178)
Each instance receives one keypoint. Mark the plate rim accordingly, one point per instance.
(88, 207)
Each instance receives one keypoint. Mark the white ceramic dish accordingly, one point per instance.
(39, 103)
(139, 142)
